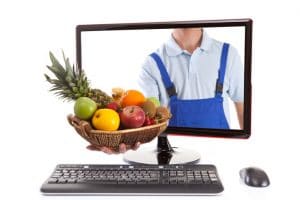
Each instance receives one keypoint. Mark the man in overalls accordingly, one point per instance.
(195, 76)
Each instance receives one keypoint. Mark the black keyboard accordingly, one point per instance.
(133, 180)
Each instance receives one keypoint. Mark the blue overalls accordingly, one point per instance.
(198, 113)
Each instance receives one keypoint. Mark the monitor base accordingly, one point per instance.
(165, 154)
(153, 157)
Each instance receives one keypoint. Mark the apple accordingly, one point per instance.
(154, 100)
(84, 108)
(148, 121)
(132, 117)
(113, 105)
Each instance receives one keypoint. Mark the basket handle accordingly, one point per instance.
(73, 121)
(85, 129)
(83, 126)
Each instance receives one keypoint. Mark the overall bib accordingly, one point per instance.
(198, 113)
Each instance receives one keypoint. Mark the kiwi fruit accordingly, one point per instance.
(149, 108)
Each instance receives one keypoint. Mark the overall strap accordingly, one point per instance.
(165, 76)
(221, 75)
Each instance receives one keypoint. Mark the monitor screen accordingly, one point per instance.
(200, 70)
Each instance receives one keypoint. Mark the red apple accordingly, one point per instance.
(113, 105)
(148, 121)
(132, 117)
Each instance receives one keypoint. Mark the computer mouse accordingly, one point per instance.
(254, 177)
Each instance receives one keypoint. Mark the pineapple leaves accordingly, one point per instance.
(56, 63)
(69, 70)
(69, 83)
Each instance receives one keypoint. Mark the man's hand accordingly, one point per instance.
(122, 148)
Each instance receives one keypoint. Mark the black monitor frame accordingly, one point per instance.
(247, 23)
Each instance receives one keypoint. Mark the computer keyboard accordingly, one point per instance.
(133, 180)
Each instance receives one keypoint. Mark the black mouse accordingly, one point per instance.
(254, 177)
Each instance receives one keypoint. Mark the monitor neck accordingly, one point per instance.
(164, 150)
(163, 144)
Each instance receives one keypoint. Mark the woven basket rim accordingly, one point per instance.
(131, 130)
(113, 139)
(91, 130)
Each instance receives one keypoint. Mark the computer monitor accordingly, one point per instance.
(200, 69)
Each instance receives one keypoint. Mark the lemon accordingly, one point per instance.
(106, 119)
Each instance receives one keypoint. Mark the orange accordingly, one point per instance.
(132, 98)
(106, 119)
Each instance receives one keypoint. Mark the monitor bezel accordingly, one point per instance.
(246, 22)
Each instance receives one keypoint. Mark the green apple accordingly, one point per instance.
(154, 100)
(84, 108)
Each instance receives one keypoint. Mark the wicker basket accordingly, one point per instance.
(113, 139)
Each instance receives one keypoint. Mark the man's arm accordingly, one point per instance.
(240, 113)
(147, 79)
(236, 83)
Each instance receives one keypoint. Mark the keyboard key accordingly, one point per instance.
(213, 176)
(141, 182)
(191, 181)
(180, 181)
(153, 182)
(52, 180)
(71, 181)
(130, 183)
(62, 181)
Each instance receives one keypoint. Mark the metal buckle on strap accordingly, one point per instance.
(171, 91)
(219, 88)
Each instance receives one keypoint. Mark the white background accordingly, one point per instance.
(36, 136)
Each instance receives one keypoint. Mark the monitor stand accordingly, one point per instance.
(164, 154)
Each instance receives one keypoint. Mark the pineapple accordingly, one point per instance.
(70, 83)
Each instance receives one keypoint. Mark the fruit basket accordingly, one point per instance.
(125, 116)
(113, 139)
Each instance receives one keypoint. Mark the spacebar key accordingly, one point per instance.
(99, 181)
